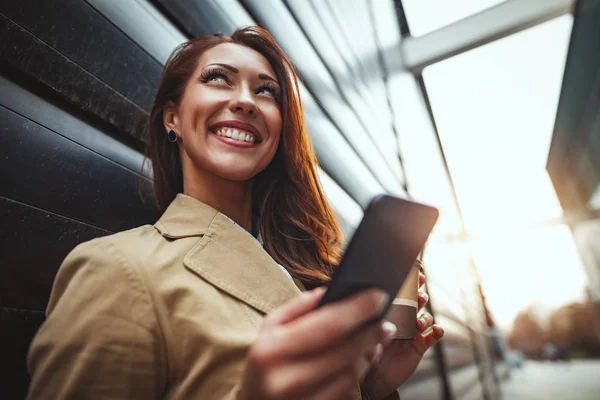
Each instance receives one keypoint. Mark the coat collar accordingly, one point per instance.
(185, 217)
(226, 255)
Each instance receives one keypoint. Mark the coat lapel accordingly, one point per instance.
(231, 259)
(226, 255)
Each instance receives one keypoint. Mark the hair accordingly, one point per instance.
(298, 227)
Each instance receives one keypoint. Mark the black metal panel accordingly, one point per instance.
(44, 169)
(57, 119)
(22, 52)
(197, 18)
(37, 242)
(84, 36)
(18, 328)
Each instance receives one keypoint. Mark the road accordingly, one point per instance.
(575, 380)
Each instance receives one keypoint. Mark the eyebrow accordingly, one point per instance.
(235, 70)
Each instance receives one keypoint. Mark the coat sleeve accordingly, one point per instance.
(100, 339)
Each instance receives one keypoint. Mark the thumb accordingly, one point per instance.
(298, 306)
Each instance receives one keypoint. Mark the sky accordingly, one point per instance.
(495, 108)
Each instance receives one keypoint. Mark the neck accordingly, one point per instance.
(231, 198)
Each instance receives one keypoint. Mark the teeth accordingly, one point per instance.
(236, 135)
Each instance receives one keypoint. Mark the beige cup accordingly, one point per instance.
(403, 312)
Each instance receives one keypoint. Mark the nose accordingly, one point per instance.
(243, 102)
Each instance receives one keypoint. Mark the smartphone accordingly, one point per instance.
(382, 250)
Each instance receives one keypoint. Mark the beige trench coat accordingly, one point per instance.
(163, 311)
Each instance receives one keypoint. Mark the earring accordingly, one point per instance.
(172, 136)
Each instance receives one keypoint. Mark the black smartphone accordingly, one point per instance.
(382, 250)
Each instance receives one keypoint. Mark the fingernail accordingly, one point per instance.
(389, 329)
(382, 299)
(426, 297)
(320, 290)
(378, 353)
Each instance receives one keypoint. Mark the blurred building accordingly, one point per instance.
(574, 159)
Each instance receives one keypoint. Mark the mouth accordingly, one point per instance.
(236, 133)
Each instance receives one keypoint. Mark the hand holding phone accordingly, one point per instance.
(383, 249)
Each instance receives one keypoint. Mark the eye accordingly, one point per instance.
(217, 78)
(214, 75)
(270, 89)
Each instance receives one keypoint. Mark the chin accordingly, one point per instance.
(239, 173)
(237, 176)
(231, 167)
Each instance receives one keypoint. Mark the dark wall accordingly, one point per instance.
(74, 97)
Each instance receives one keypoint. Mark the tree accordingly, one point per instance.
(528, 334)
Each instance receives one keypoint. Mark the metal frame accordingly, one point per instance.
(477, 30)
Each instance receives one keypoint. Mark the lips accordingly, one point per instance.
(239, 125)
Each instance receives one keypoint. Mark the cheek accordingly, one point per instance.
(274, 122)
(196, 107)
(275, 130)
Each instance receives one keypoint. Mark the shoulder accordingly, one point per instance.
(117, 248)
(100, 321)
(121, 240)
(105, 262)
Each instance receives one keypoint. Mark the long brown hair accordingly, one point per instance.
(297, 224)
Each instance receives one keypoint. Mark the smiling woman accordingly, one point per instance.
(210, 302)
(246, 83)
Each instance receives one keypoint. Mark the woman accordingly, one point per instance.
(211, 301)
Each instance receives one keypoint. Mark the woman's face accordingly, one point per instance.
(229, 118)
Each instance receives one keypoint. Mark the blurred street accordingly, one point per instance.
(575, 380)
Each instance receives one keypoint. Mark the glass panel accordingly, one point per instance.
(494, 107)
(417, 144)
(425, 16)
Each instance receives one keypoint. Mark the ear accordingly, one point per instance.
(171, 118)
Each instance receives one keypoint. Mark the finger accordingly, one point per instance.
(424, 322)
(422, 279)
(435, 335)
(308, 373)
(298, 306)
(371, 353)
(344, 386)
(378, 354)
(332, 323)
(423, 299)
(390, 333)
(419, 264)
(360, 350)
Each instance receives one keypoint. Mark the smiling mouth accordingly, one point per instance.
(236, 134)
(235, 137)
